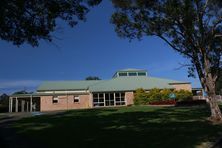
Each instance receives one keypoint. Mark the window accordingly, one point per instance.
(141, 74)
(122, 74)
(132, 74)
(55, 99)
(98, 99)
(109, 99)
(120, 98)
(76, 99)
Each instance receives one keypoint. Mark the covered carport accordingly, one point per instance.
(24, 103)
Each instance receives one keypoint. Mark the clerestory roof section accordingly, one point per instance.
(130, 70)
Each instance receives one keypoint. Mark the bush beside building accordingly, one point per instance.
(160, 96)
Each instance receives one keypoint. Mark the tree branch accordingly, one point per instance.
(182, 66)
(174, 47)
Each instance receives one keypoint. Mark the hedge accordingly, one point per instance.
(157, 95)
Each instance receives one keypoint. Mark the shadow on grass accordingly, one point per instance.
(120, 127)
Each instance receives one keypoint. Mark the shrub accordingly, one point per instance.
(140, 97)
(183, 95)
(165, 93)
(156, 96)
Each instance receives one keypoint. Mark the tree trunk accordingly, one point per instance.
(215, 110)
(216, 115)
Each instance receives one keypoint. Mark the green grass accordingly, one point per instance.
(138, 126)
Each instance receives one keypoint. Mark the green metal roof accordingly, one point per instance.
(67, 85)
(132, 83)
(38, 94)
(115, 84)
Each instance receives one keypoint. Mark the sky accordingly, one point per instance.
(91, 48)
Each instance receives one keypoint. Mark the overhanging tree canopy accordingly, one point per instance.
(191, 27)
(31, 20)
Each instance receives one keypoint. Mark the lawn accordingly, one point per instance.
(136, 126)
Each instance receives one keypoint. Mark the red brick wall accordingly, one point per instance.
(129, 98)
(64, 103)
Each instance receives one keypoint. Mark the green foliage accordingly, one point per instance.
(165, 93)
(92, 78)
(21, 92)
(154, 95)
(193, 28)
(183, 95)
(4, 99)
(142, 97)
(31, 20)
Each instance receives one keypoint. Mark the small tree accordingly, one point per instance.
(191, 27)
(92, 78)
(4, 101)
(20, 92)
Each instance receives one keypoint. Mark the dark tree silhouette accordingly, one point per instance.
(31, 20)
(191, 27)
(20, 92)
(92, 78)
(4, 100)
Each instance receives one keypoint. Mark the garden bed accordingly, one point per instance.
(179, 103)
(164, 102)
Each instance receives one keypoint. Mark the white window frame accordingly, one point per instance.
(55, 98)
(76, 98)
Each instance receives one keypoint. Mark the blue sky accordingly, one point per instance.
(92, 48)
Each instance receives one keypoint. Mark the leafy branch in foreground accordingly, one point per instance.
(193, 28)
(31, 20)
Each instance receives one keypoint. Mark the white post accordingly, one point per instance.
(16, 104)
(104, 97)
(27, 106)
(31, 104)
(9, 104)
(114, 99)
